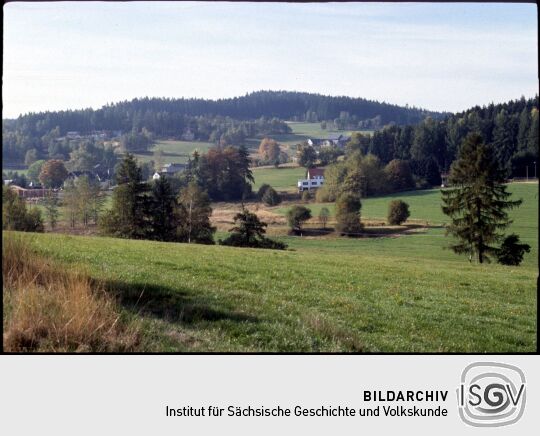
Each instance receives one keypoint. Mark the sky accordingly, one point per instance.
(444, 57)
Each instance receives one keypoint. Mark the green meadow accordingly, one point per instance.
(391, 294)
(313, 130)
(174, 151)
(281, 179)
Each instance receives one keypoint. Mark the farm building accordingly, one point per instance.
(169, 169)
(314, 179)
(74, 175)
(172, 168)
(335, 140)
(31, 192)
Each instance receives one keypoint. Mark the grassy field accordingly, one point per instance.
(425, 207)
(21, 169)
(324, 294)
(313, 130)
(300, 132)
(174, 151)
(281, 179)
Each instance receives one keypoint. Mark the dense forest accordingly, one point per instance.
(208, 120)
(431, 146)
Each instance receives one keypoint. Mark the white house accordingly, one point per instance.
(314, 179)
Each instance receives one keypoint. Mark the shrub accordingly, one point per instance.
(324, 214)
(262, 190)
(271, 197)
(15, 215)
(296, 216)
(511, 251)
(398, 212)
(348, 208)
(399, 175)
(34, 171)
(324, 196)
(53, 173)
(249, 232)
(306, 195)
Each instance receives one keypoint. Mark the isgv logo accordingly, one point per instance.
(491, 394)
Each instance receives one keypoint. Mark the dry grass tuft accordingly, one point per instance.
(47, 308)
(334, 332)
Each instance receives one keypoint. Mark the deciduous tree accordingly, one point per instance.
(193, 216)
(297, 216)
(53, 173)
(348, 214)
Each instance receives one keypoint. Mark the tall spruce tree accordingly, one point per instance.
(478, 201)
(129, 216)
(523, 131)
(533, 132)
(503, 140)
(163, 211)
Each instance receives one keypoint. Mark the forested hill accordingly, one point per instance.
(284, 105)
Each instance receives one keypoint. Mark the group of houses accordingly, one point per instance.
(315, 176)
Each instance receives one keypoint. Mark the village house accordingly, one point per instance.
(74, 175)
(188, 135)
(314, 142)
(169, 169)
(314, 179)
(335, 140)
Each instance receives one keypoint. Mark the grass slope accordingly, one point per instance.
(174, 151)
(381, 294)
(281, 179)
(425, 206)
(313, 130)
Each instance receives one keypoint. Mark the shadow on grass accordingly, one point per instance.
(170, 305)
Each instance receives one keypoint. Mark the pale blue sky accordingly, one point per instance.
(437, 56)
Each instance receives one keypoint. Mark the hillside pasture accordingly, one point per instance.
(425, 208)
(281, 179)
(393, 293)
(174, 151)
(313, 130)
(361, 295)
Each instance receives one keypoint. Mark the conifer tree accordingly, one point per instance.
(249, 232)
(478, 200)
(163, 211)
(523, 132)
(129, 215)
(503, 140)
